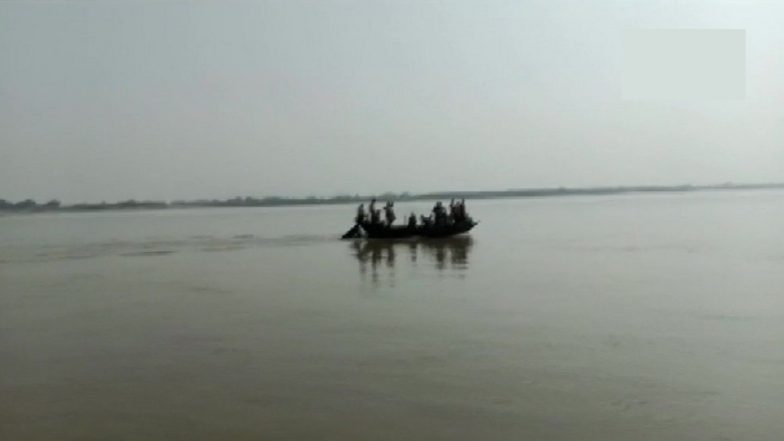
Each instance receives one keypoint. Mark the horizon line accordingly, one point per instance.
(276, 200)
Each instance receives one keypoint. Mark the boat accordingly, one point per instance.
(384, 231)
(447, 230)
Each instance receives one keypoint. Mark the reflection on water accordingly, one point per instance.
(385, 256)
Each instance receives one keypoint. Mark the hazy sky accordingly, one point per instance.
(162, 100)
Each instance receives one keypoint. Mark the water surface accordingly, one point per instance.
(643, 317)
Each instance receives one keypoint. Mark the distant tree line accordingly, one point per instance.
(30, 205)
(54, 204)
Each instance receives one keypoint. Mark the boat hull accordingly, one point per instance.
(382, 231)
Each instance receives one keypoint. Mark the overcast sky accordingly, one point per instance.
(126, 99)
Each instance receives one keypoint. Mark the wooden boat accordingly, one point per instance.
(447, 230)
(384, 231)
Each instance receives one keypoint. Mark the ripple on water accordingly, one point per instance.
(147, 253)
(157, 247)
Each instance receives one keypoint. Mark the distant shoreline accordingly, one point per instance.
(31, 206)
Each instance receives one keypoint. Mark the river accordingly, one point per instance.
(630, 317)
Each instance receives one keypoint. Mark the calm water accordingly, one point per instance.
(657, 317)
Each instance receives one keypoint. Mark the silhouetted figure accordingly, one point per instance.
(373, 212)
(439, 213)
(412, 220)
(361, 216)
(461, 211)
(355, 231)
(458, 213)
(389, 212)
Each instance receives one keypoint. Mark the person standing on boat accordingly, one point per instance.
(412, 220)
(389, 212)
(361, 216)
(374, 214)
(439, 213)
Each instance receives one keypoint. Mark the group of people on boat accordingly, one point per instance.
(439, 215)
